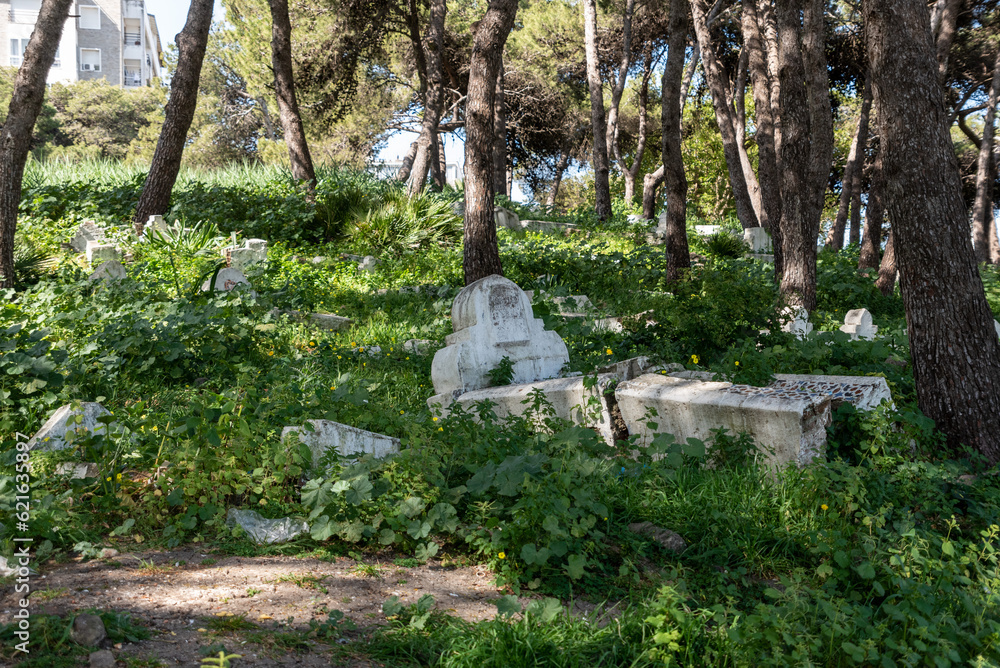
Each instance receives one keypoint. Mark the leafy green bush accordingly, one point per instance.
(403, 223)
(725, 245)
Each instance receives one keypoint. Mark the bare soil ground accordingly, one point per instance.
(176, 595)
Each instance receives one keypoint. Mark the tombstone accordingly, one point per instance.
(78, 471)
(53, 434)
(225, 280)
(796, 321)
(858, 324)
(110, 270)
(99, 252)
(241, 258)
(155, 224)
(506, 218)
(707, 230)
(368, 263)
(492, 319)
(346, 440)
(418, 346)
(86, 233)
(635, 219)
(758, 239)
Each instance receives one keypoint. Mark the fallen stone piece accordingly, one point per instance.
(858, 323)
(88, 631)
(225, 280)
(87, 232)
(102, 659)
(789, 426)
(492, 319)
(78, 471)
(63, 427)
(368, 263)
(99, 252)
(667, 539)
(327, 321)
(347, 441)
(111, 270)
(418, 346)
(266, 531)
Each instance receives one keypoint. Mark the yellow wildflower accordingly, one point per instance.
(824, 507)
(694, 359)
(502, 555)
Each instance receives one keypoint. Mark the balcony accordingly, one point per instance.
(23, 16)
(134, 9)
(132, 78)
(133, 39)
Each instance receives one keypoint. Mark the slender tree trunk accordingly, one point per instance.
(268, 123)
(855, 160)
(767, 158)
(740, 130)
(887, 270)
(874, 218)
(191, 43)
(561, 166)
(438, 166)
(651, 183)
(993, 241)
(284, 87)
(820, 113)
(946, 35)
(602, 168)
(404, 170)
(625, 62)
(678, 254)
(15, 134)
(716, 80)
(982, 208)
(433, 97)
(500, 132)
(482, 256)
(689, 73)
(855, 236)
(769, 30)
(956, 367)
(632, 173)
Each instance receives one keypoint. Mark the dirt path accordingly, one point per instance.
(177, 594)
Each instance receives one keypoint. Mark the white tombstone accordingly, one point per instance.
(506, 218)
(707, 230)
(253, 251)
(98, 252)
(346, 440)
(858, 324)
(86, 233)
(54, 434)
(758, 239)
(227, 279)
(157, 224)
(796, 321)
(111, 270)
(492, 319)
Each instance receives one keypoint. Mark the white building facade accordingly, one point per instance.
(116, 40)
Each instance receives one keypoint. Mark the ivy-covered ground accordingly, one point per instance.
(884, 554)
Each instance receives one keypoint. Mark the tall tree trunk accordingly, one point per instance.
(481, 257)
(820, 112)
(946, 35)
(433, 97)
(855, 161)
(874, 217)
(740, 130)
(651, 182)
(625, 61)
(632, 173)
(689, 73)
(992, 234)
(854, 237)
(982, 208)
(404, 170)
(268, 124)
(284, 87)
(767, 157)
(15, 134)
(769, 31)
(500, 132)
(439, 167)
(956, 368)
(887, 270)
(678, 254)
(602, 168)
(716, 79)
(191, 43)
(561, 166)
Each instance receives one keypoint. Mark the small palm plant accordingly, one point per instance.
(200, 242)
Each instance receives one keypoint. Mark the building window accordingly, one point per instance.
(90, 18)
(24, 11)
(17, 48)
(90, 60)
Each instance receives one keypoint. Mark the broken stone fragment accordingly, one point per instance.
(347, 441)
(55, 434)
(88, 631)
(102, 659)
(667, 539)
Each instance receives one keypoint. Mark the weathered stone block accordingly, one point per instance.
(55, 433)
(88, 231)
(78, 471)
(758, 239)
(252, 252)
(346, 440)
(506, 218)
(796, 321)
(99, 252)
(110, 270)
(858, 323)
(227, 279)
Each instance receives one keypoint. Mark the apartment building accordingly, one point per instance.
(116, 40)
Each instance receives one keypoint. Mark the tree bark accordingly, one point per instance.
(982, 208)
(740, 130)
(404, 170)
(191, 43)
(678, 254)
(953, 343)
(433, 97)
(602, 168)
(716, 80)
(481, 256)
(500, 133)
(887, 270)
(769, 31)
(561, 166)
(767, 157)
(874, 217)
(632, 173)
(616, 93)
(855, 161)
(284, 88)
(946, 35)
(268, 124)
(651, 182)
(15, 135)
(820, 113)
(439, 166)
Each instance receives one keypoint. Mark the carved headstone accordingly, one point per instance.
(796, 321)
(86, 233)
(858, 324)
(492, 319)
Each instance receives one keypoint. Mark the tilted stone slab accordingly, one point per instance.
(87, 232)
(865, 392)
(225, 280)
(55, 434)
(346, 440)
(99, 252)
(111, 270)
(790, 426)
(327, 321)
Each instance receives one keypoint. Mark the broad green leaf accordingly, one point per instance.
(508, 605)
(575, 565)
(546, 609)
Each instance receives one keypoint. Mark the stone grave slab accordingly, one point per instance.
(865, 392)
(758, 239)
(790, 426)
(78, 471)
(241, 258)
(99, 252)
(506, 218)
(707, 230)
(858, 323)
(346, 440)
(492, 319)
(111, 270)
(227, 279)
(55, 433)
(87, 232)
